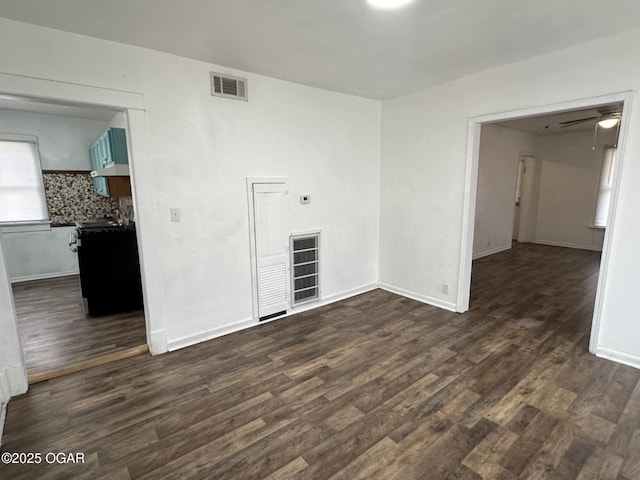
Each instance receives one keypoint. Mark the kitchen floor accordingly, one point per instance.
(57, 335)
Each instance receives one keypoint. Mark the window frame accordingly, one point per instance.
(27, 225)
(599, 211)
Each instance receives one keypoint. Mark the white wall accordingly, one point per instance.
(500, 150)
(44, 254)
(63, 141)
(569, 181)
(424, 151)
(63, 144)
(200, 149)
(13, 375)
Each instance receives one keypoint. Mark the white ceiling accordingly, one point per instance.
(34, 105)
(550, 124)
(341, 45)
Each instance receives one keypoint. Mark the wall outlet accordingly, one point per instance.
(175, 214)
(445, 288)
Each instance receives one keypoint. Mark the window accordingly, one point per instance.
(604, 192)
(22, 197)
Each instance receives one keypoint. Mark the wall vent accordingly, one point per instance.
(305, 267)
(228, 86)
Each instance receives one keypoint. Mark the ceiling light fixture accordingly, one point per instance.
(388, 4)
(608, 122)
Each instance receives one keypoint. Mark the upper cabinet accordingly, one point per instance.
(110, 152)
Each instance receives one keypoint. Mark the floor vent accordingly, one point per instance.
(305, 267)
(228, 86)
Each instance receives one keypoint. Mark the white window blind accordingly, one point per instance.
(604, 192)
(22, 197)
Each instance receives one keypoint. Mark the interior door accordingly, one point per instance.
(272, 247)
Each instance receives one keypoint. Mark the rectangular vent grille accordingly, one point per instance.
(305, 267)
(228, 86)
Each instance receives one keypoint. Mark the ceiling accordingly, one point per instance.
(341, 45)
(34, 105)
(550, 124)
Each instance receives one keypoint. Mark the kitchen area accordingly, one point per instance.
(76, 279)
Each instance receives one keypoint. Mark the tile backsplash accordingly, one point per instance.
(71, 198)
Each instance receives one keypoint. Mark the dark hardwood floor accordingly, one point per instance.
(374, 387)
(55, 332)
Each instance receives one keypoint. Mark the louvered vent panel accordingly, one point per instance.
(305, 263)
(228, 86)
(272, 278)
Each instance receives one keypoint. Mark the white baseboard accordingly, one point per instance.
(553, 243)
(492, 251)
(209, 334)
(43, 276)
(158, 342)
(436, 302)
(252, 322)
(3, 416)
(619, 357)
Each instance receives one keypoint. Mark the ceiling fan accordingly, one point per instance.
(604, 119)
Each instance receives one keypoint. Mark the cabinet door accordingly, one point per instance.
(118, 145)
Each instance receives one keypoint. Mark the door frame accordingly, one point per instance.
(529, 161)
(252, 240)
(471, 184)
(133, 106)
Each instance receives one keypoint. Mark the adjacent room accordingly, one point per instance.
(73, 308)
(381, 239)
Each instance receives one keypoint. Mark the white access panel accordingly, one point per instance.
(272, 247)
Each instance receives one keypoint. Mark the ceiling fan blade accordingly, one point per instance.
(579, 120)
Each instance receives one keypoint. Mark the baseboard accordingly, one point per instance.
(158, 342)
(3, 416)
(553, 243)
(492, 251)
(209, 334)
(619, 357)
(436, 302)
(252, 322)
(43, 276)
(332, 299)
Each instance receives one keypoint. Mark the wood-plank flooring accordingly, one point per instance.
(374, 387)
(57, 336)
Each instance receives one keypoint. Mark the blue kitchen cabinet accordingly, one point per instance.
(110, 148)
(99, 183)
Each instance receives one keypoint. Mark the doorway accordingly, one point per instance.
(472, 184)
(56, 334)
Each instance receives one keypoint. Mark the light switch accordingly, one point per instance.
(305, 198)
(175, 214)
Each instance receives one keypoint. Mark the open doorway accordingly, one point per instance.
(557, 187)
(70, 312)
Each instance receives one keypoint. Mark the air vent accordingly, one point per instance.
(228, 86)
(305, 267)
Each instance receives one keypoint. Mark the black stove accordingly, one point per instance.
(109, 267)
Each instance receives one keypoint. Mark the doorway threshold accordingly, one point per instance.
(87, 364)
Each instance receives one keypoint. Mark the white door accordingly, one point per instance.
(272, 247)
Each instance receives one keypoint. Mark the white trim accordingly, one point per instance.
(616, 356)
(471, 181)
(494, 250)
(43, 276)
(3, 416)
(158, 342)
(210, 334)
(22, 227)
(436, 302)
(578, 246)
(254, 322)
